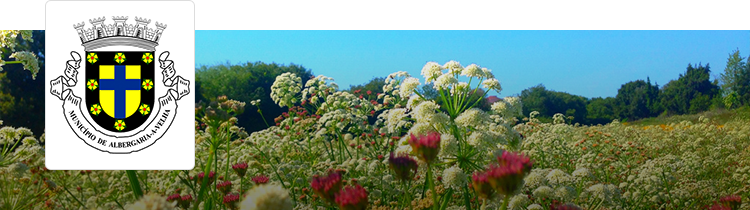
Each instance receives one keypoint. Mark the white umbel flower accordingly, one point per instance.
(431, 71)
(285, 88)
(453, 67)
(472, 71)
(487, 73)
(454, 177)
(473, 118)
(558, 177)
(518, 202)
(151, 202)
(543, 192)
(535, 207)
(425, 111)
(408, 86)
(267, 197)
(445, 81)
(492, 84)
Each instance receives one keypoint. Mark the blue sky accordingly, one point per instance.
(587, 63)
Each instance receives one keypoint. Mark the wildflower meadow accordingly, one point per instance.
(355, 150)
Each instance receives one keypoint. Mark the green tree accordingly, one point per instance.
(735, 80)
(246, 82)
(731, 74)
(691, 93)
(428, 92)
(548, 103)
(22, 92)
(637, 99)
(375, 86)
(600, 110)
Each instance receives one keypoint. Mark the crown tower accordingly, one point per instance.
(119, 33)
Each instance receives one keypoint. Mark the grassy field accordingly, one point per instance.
(325, 152)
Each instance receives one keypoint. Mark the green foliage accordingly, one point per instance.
(549, 102)
(690, 93)
(731, 100)
(735, 65)
(428, 92)
(22, 92)
(375, 86)
(637, 99)
(245, 82)
(600, 110)
(736, 80)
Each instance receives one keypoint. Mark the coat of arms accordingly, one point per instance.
(121, 110)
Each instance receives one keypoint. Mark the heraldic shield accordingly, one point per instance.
(120, 88)
(120, 111)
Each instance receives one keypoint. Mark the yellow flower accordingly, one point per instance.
(92, 84)
(144, 109)
(147, 84)
(147, 58)
(96, 109)
(120, 125)
(119, 58)
(92, 58)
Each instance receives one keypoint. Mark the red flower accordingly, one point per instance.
(173, 197)
(369, 92)
(231, 200)
(327, 186)
(260, 179)
(352, 198)
(480, 183)
(185, 201)
(211, 176)
(719, 206)
(240, 169)
(733, 201)
(404, 166)
(507, 175)
(224, 187)
(426, 147)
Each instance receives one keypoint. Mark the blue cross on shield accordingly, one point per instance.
(120, 88)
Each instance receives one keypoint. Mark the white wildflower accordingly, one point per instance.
(453, 67)
(473, 118)
(492, 84)
(472, 71)
(518, 202)
(445, 81)
(543, 192)
(408, 86)
(267, 197)
(558, 177)
(431, 71)
(454, 177)
(535, 207)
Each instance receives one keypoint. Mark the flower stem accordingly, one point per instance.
(432, 187)
(264, 118)
(135, 185)
(505, 202)
(204, 183)
(466, 198)
(74, 197)
(229, 137)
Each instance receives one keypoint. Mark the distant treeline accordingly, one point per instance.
(692, 92)
(245, 82)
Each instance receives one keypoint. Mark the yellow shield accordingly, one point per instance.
(120, 89)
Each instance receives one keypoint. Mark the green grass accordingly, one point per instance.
(719, 116)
